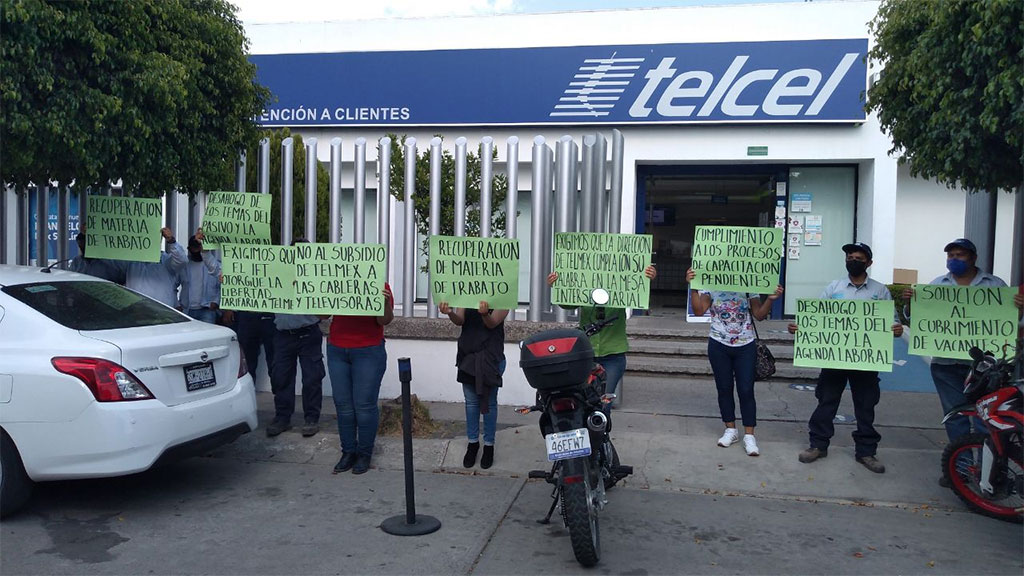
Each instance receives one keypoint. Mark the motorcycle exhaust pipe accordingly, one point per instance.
(597, 422)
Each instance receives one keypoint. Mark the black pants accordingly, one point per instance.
(256, 329)
(302, 346)
(865, 392)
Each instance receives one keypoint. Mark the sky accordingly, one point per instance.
(264, 11)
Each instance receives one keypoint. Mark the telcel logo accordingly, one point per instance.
(680, 97)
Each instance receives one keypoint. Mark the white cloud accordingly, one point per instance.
(267, 11)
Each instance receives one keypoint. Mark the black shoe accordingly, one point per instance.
(487, 460)
(348, 459)
(277, 426)
(310, 428)
(812, 454)
(872, 463)
(944, 482)
(361, 465)
(470, 458)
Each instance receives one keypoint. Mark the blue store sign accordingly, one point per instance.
(791, 81)
(51, 224)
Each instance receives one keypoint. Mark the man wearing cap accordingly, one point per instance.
(947, 373)
(863, 383)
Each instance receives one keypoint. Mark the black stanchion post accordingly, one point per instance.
(411, 524)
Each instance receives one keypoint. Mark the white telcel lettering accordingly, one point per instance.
(654, 77)
(675, 90)
(729, 105)
(783, 88)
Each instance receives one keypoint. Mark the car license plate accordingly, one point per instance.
(199, 376)
(571, 444)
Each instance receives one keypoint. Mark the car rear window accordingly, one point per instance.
(84, 305)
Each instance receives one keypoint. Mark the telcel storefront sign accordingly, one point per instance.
(790, 81)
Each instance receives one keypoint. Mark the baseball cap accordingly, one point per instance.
(961, 243)
(858, 247)
(194, 244)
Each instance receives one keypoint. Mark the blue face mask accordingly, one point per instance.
(957, 266)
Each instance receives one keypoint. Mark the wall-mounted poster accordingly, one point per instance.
(800, 202)
(796, 224)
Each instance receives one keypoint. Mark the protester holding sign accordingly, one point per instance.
(732, 353)
(200, 282)
(948, 373)
(357, 361)
(610, 344)
(113, 270)
(481, 362)
(863, 383)
(159, 280)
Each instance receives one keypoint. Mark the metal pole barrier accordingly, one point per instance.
(460, 186)
(62, 226)
(384, 198)
(240, 166)
(264, 161)
(334, 234)
(435, 207)
(563, 188)
(409, 524)
(549, 221)
(311, 165)
(409, 257)
(615, 196)
(3, 224)
(600, 192)
(359, 231)
(512, 193)
(486, 170)
(587, 186)
(21, 241)
(538, 275)
(42, 228)
(287, 157)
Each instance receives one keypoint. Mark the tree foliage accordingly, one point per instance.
(157, 93)
(951, 94)
(421, 198)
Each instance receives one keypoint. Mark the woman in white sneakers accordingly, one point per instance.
(732, 354)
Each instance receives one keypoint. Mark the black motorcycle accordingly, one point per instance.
(575, 423)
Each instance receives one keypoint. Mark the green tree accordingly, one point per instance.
(159, 94)
(951, 94)
(421, 198)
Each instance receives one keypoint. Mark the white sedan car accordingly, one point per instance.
(97, 380)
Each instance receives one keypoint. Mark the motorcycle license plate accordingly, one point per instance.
(571, 444)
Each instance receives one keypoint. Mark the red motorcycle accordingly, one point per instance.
(986, 470)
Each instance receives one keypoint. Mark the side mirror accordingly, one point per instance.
(600, 296)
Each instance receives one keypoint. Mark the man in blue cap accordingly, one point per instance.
(863, 383)
(949, 374)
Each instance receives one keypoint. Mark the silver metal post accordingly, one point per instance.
(587, 186)
(4, 194)
(334, 234)
(615, 196)
(486, 170)
(384, 197)
(564, 187)
(287, 157)
(21, 242)
(600, 191)
(62, 226)
(435, 207)
(460, 186)
(409, 257)
(264, 161)
(359, 231)
(538, 275)
(240, 165)
(42, 228)
(171, 213)
(311, 165)
(574, 188)
(549, 221)
(512, 195)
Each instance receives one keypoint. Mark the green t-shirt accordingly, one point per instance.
(612, 338)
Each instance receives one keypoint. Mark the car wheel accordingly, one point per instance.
(15, 485)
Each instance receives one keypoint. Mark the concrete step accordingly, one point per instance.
(689, 367)
(643, 348)
(773, 331)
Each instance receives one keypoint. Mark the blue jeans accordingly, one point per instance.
(203, 315)
(356, 374)
(614, 367)
(473, 415)
(949, 383)
(734, 364)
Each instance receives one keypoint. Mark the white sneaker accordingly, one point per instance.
(750, 445)
(729, 438)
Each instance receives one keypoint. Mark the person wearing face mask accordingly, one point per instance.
(948, 374)
(200, 282)
(863, 383)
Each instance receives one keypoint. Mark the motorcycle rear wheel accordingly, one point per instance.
(961, 466)
(580, 512)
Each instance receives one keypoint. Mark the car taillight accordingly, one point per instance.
(243, 367)
(563, 404)
(108, 382)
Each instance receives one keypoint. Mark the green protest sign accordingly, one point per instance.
(466, 271)
(236, 218)
(844, 334)
(737, 258)
(257, 278)
(123, 228)
(946, 321)
(343, 279)
(616, 262)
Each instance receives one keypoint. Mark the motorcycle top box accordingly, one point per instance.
(556, 359)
